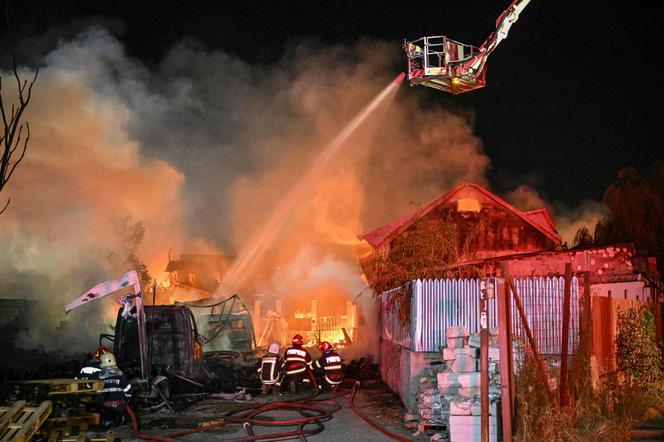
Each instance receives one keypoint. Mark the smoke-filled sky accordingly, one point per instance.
(198, 120)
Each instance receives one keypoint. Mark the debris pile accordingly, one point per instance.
(432, 411)
(364, 370)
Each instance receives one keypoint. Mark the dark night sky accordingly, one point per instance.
(573, 94)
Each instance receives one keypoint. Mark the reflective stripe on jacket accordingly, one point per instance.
(271, 369)
(296, 360)
(330, 362)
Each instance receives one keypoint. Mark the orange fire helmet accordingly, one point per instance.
(325, 346)
(100, 351)
(298, 340)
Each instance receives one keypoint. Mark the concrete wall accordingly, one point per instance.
(631, 291)
(402, 368)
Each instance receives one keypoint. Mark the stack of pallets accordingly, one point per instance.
(74, 428)
(19, 423)
(67, 386)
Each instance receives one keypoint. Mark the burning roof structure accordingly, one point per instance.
(485, 229)
(468, 199)
(467, 225)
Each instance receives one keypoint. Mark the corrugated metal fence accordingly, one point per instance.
(438, 304)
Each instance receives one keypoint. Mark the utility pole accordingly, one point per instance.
(505, 340)
(565, 335)
(487, 290)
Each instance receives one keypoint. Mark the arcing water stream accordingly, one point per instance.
(249, 256)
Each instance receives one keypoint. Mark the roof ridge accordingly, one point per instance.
(392, 230)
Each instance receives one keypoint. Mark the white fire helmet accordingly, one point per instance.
(274, 348)
(107, 360)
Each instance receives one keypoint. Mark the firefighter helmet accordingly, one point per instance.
(100, 351)
(107, 360)
(273, 348)
(325, 346)
(298, 340)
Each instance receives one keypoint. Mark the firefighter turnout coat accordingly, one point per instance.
(116, 388)
(271, 368)
(330, 362)
(296, 360)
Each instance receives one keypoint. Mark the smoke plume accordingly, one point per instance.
(200, 148)
(567, 220)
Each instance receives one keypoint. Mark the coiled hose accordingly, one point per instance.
(314, 412)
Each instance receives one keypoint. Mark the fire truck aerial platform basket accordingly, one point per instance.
(450, 66)
(440, 62)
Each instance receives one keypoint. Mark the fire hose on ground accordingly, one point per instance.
(314, 412)
(369, 421)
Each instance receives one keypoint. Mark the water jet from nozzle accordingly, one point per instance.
(249, 256)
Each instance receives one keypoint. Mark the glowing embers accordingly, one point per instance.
(445, 64)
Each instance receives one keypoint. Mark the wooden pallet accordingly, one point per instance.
(74, 428)
(68, 386)
(71, 421)
(19, 423)
(80, 436)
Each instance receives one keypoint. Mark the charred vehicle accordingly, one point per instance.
(171, 337)
(165, 339)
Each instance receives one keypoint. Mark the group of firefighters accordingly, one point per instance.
(295, 367)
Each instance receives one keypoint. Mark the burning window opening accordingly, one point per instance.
(329, 324)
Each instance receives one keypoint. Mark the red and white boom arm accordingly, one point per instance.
(503, 25)
(126, 283)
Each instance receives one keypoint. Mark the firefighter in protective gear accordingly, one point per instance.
(271, 369)
(297, 364)
(330, 364)
(116, 390)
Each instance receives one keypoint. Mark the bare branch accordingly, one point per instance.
(13, 146)
(25, 148)
(6, 205)
(2, 107)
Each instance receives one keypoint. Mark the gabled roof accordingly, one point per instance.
(539, 218)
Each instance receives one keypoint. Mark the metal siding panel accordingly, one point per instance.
(417, 315)
(438, 304)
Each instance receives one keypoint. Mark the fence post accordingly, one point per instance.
(565, 334)
(484, 363)
(505, 342)
(587, 314)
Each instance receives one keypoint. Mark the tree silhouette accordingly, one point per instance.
(14, 139)
(636, 212)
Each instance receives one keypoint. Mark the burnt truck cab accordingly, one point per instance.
(166, 338)
(158, 339)
(171, 337)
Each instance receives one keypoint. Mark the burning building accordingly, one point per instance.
(317, 314)
(434, 261)
(455, 235)
(483, 229)
(195, 276)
